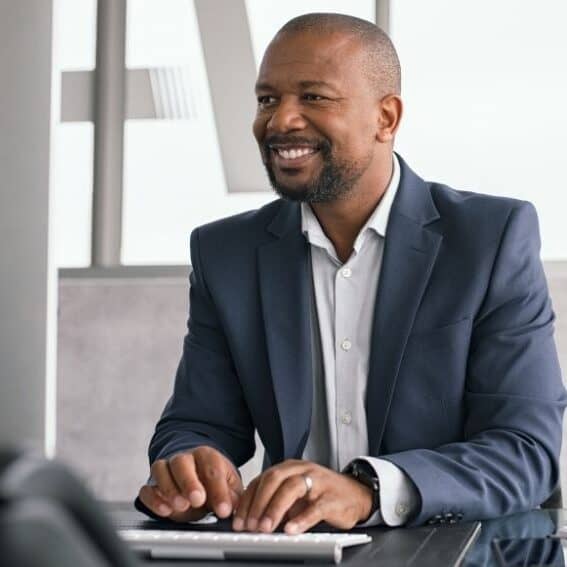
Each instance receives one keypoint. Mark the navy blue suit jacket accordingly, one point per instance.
(464, 389)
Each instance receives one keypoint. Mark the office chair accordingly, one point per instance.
(48, 519)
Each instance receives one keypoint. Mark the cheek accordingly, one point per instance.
(358, 141)
(352, 145)
(259, 127)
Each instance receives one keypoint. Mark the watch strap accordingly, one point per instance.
(365, 473)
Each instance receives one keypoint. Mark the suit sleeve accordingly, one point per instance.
(207, 406)
(514, 398)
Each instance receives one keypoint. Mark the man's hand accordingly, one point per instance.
(188, 485)
(280, 494)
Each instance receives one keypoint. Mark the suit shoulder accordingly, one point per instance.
(234, 239)
(241, 224)
(470, 210)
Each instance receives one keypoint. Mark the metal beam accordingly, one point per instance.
(161, 93)
(126, 273)
(383, 15)
(109, 110)
(229, 58)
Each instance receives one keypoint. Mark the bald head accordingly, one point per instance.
(379, 60)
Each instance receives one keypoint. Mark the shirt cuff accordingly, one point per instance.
(399, 498)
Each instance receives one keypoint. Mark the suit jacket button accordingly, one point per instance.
(401, 510)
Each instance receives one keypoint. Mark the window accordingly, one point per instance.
(484, 85)
(73, 141)
(173, 178)
(266, 18)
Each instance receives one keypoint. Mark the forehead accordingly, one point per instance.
(332, 57)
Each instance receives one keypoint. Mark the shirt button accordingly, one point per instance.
(346, 272)
(346, 344)
(346, 418)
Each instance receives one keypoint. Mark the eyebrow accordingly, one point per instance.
(303, 84)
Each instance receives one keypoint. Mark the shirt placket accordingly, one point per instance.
(345, 361)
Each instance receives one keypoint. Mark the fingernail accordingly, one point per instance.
(291, 528)
(252, 524)
(196, 498)
(164, 510)
(265, 525)
(179, 503)
(223, 510)
(238, 524)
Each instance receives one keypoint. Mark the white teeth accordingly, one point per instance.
(295, 152)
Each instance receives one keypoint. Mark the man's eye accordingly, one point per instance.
(314, 97)
(265, 100)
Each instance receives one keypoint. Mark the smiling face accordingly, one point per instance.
(318, 117)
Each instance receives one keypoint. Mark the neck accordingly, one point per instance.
(342, 219)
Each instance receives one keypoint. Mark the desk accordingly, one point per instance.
(533, 524)
(444, 544)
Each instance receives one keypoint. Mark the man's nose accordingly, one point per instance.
(286, 117)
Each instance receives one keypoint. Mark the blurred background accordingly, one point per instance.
(124, 124)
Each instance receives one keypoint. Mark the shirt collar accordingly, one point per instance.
(378, 221)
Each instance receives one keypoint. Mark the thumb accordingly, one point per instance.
(234, 498)
(235, 482)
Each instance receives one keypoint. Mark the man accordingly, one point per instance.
(389, 339)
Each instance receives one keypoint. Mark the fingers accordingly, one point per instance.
(290, 491)
(270, 496)
(280, 495)
(306, 519)
(241, 515)
(167, 487)
(158, 505)
(189, 484)
(235, 483)
(183, 470)
(267, 485)
(213, 470)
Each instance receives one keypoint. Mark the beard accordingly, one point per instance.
(334, 181)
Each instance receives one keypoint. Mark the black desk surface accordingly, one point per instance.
(437, 546)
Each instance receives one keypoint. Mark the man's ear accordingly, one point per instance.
(390, 110)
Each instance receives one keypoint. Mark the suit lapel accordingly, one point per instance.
(409, 255)
(285, 295)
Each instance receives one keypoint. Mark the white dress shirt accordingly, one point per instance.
(343, 309)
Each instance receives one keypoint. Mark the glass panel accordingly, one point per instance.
(173, 174)
(172, 185)
(160, 32)
(75, 44)
(485, 85)
(72, 189)
(74, 49)
(266, 18)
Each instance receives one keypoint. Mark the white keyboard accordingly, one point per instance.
(171, 544)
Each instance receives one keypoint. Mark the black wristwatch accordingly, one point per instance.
(364, 473)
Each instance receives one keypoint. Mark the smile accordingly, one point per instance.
(293, 156)
(294, 153)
